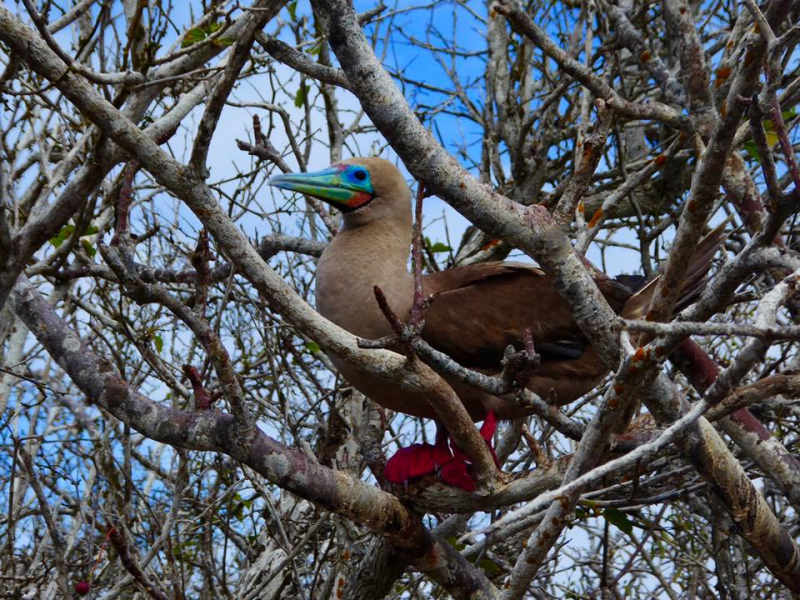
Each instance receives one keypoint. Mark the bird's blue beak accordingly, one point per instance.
(346, 187)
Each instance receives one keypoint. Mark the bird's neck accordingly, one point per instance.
(357, 259)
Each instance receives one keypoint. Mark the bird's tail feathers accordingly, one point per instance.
(637, 305)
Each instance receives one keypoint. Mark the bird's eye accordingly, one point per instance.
(360, 175)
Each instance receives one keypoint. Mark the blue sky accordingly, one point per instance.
(225, 160)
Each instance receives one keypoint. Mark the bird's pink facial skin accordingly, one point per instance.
(358, 200)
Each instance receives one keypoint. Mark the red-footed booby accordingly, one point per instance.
(478, 309)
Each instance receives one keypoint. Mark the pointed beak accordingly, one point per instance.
(327, 185)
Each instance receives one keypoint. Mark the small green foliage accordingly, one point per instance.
(158, 342)
(312, 347)
(198, 34)
(453, 541)
(491, 568)
(292, 8)
(192, 37)
(440, 247)
(752, 150)
(238, 509)
(618, 519)
(772, 136)
(66, 231)
(300, 96)
(89, 248)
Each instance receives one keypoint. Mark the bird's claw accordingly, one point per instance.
(450, 467)
(415, 461)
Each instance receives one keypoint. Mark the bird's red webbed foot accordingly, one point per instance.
(453, 467)
(419, 459)
(487, 430)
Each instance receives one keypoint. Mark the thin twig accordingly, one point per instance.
(123, 551)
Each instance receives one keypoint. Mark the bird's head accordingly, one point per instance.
(364, 189)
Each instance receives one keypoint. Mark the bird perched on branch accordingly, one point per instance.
(477, 311)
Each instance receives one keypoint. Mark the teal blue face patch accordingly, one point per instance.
(348, 187)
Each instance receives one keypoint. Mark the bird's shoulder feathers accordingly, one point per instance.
(478, 310)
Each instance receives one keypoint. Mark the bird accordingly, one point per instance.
(477, 312)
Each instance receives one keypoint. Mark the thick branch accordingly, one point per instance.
(283, 52)
(286, 467)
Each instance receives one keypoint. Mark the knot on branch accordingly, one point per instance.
(199, 260)
(404, 333)
(262, 148)
(519, 366)
(121, 229)
(201, 255)
(202, 398)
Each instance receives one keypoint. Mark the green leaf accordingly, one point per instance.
(619, 519)
(491, 568)
(90, 230)
(751, 148)
(316, 50)
(192, 37)
(300, 96)
(772, 138)
(453, 541)
(90, 250)
(158, 342)
(224, 41)
(440, 247)
(66, 231)
(292, 8)
(313, 347)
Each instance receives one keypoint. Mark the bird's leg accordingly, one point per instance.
(456, 472)
(487, 433)
(423, 459)
(487, 430)
(419, 459)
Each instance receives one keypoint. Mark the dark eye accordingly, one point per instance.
(360, 175)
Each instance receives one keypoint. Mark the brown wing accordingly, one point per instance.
(694, 278)
(480, 309)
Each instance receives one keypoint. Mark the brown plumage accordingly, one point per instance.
(478, 311)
